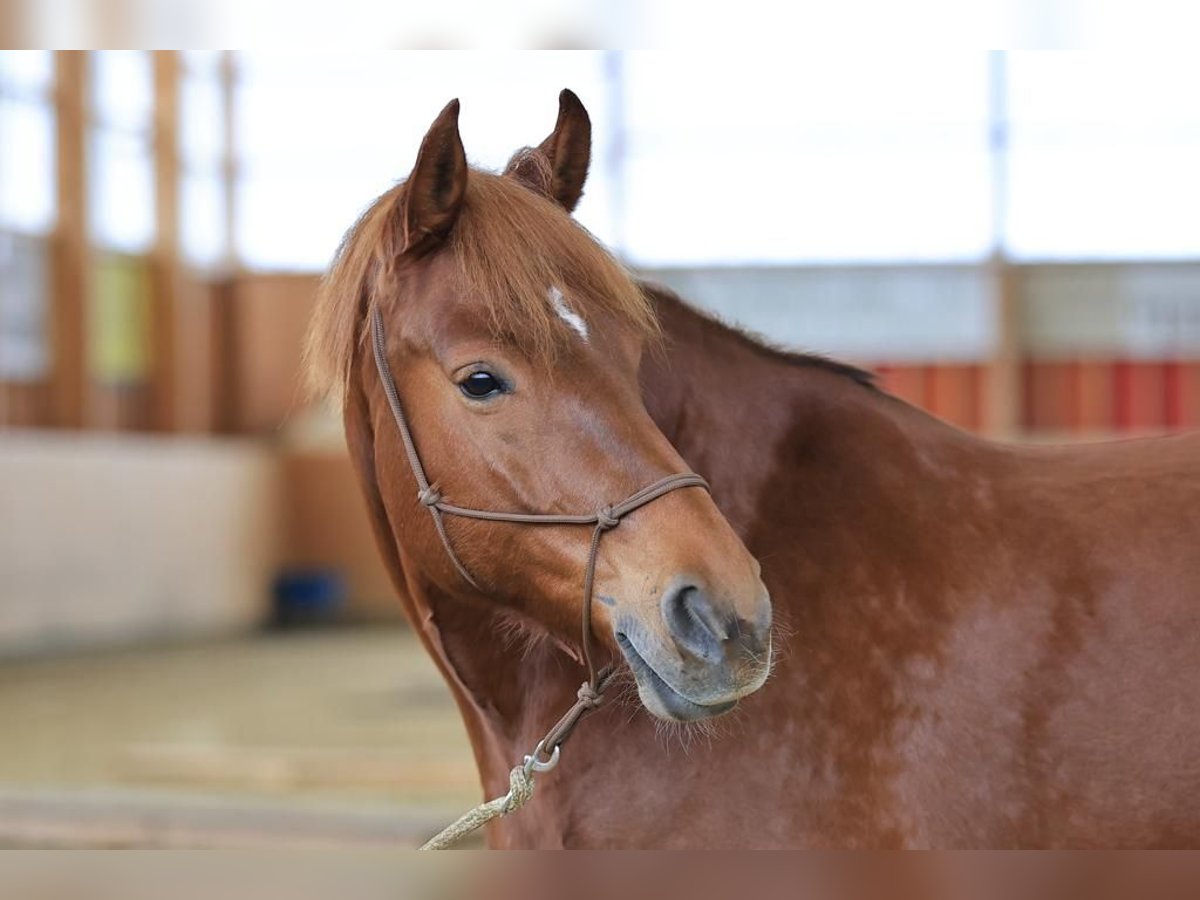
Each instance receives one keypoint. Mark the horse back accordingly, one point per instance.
(1072, 674)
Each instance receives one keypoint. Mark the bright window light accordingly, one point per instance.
(732, 158)
(122, 88)
(27, 192)
(121, 201)
(202, 141)
(745, 158)
(120, 158)
(320, 136)
(26, 72)
(1104, 155)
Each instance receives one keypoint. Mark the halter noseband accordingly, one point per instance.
(602, 520)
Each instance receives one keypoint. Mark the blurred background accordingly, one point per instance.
(198, 645)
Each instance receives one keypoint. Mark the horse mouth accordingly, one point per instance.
(659, 697)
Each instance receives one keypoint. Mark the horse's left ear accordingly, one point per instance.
(558, 167)
(434, 192)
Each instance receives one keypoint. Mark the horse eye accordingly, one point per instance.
(479, 385)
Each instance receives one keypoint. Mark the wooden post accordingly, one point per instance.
(1004, 387)
(69, 247)
(225, 375)
(1004, 367)
(229, 160)
(165, 253)
(13, 25)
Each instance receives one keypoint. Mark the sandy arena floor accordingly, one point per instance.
(337, 737)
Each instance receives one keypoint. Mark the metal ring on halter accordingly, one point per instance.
(534, 764)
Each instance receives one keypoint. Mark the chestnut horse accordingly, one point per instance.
(975, 644)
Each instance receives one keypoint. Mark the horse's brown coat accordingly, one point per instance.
(977, 645)
(981, 645)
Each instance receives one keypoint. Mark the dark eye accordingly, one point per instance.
(479, 385)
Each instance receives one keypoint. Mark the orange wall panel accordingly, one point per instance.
(1140, 396)
(1183, 409)
(1049, 396)
(1092, 396)
(954, 393)
(908, 382)
(270, 316)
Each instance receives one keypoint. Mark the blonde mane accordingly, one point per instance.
(510, 246)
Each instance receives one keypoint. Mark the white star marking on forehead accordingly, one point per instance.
(567, 314)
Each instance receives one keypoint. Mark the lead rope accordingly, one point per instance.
(545, 755)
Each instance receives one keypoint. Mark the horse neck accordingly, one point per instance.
(782, 437)
(792, 449)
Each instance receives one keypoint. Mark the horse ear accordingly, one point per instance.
(434, 192)
(558, 166)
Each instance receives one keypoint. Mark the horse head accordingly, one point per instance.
(515, 339)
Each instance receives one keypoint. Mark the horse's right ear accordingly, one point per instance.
(433, 194)
(558, 167)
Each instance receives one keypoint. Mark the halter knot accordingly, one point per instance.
(589, 698)
(430, 496)
(606, 520)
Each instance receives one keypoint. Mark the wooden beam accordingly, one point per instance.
(13, 25)
(69, 250)
(165, 261)
(1003, 414)
(229, 159)
(223, 358)
(225, 371)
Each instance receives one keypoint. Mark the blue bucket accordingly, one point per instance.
(308, 596)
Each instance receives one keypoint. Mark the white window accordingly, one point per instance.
(202, 143)
(321, 135)
(27, 138)
(27, 211)
(739, 157)
(120, 155)
(28, 72)
(1105, 155)
(746, 157)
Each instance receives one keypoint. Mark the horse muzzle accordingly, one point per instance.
(699, 657)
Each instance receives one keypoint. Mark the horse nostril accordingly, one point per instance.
(693, 622)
